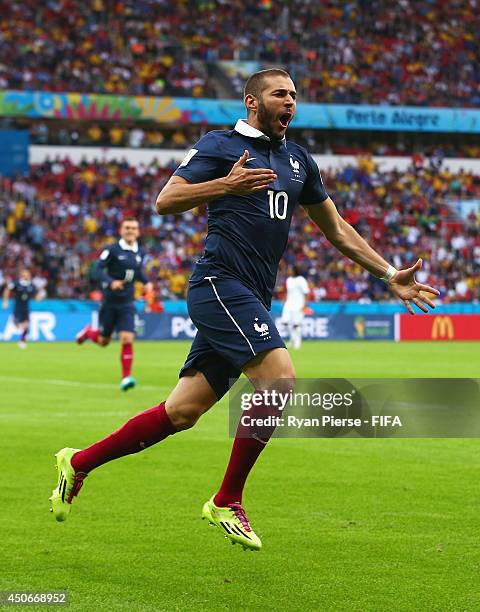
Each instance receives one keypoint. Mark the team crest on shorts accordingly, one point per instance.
(262, 329)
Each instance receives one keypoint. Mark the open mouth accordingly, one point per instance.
(285, 119)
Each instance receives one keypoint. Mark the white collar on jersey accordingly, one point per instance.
(244, 128)
(128, 247)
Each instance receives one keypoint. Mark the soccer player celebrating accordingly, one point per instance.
(24, 292)
(293, 309)
(119, 266)
(252, 179)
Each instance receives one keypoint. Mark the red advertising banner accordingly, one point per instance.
(439, 327)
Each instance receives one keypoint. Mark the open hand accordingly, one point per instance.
(405, 287)
(116, 285)
(243, 180)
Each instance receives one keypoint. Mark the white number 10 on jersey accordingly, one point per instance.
(274, 201)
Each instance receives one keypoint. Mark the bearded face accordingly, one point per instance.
(276, 106)
(273, 120)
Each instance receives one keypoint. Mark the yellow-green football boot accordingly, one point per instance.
(69, 484)
(233, 521)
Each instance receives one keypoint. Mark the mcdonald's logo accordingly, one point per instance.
(442, 328)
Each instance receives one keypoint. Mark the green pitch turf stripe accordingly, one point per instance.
(67, 383)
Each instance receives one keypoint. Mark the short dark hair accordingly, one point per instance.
(256, 83)
(130, 218)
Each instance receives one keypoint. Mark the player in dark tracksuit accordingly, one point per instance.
(119, 266)
(252, 179)
(24, 291)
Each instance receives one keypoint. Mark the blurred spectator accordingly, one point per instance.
(135, 138)
(117, 136)
(178, 140)
(94, 133)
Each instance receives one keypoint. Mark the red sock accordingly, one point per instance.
(126, 357)
(24, 335)
(249, 443)
(140, 432)
(92, 334)
(245, 452)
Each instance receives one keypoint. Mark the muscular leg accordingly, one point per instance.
(271, 370)
(186, 403)
(191, 398)
(126, 337)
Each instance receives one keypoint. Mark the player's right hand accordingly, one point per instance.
(116, 285)
(243, 180)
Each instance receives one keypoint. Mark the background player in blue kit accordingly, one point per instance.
(119, 266)
(24, 291)
(252, 179)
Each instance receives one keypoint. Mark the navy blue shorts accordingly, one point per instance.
(233, 327)
(116, 317)
(21, 315)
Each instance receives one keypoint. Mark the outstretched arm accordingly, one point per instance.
(349, 242)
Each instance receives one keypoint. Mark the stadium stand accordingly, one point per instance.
(413, 52)
(57, 220)
(337, 142)
(124, 47)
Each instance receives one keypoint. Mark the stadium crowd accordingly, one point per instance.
(415, 52)
(57, 220)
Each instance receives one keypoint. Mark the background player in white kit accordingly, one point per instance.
(293, 309)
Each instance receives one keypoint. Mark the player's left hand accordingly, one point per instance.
(406, 288)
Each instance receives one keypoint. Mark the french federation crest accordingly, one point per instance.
(295, 165)
(262, 329)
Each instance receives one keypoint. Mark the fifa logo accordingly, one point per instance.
(295, 165)
(442, 328)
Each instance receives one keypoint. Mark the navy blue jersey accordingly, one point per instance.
(24, 292)
(247, 234)
(119, 261)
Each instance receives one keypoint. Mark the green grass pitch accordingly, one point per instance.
(347, 524)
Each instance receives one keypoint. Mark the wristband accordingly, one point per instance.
(389, 274)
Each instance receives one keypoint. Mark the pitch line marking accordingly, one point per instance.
(69, 383)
